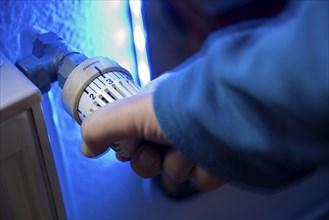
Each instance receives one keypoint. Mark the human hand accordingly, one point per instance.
(134, 118)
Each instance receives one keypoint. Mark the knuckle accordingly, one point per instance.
(146, 163)
(176, 172)
(206, 181)
(177, 166)
(86, 131)
(145, 172)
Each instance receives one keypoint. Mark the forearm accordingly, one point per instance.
(254, 108)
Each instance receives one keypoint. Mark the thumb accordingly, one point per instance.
(129, 118)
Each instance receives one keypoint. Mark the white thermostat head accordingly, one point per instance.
(94, 83)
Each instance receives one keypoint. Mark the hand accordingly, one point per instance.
(134, 117)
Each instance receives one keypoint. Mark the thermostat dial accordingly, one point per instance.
(104, 89)
(95, 83)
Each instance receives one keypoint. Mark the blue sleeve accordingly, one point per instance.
(254, 107)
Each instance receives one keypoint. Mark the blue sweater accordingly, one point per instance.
(253, 105)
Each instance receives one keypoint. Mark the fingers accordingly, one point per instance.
(203, 180)
(122, 159)
(146, 161)
(177, 166)
(88, 153)
(180, 169)
(108, 125)
(129, 118)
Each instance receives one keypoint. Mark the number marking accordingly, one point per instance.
(98, 70)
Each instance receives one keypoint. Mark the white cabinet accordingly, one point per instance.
(29, 187)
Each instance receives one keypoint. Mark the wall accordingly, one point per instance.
(93, 27)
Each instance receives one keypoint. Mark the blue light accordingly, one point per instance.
(108, 28)
(140, 42)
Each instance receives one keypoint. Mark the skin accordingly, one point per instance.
(134, 118)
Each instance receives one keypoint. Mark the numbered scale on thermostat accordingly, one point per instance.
(106, 88)
(94, 83)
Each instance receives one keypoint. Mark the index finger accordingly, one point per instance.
(107, 125)
(129, 118)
